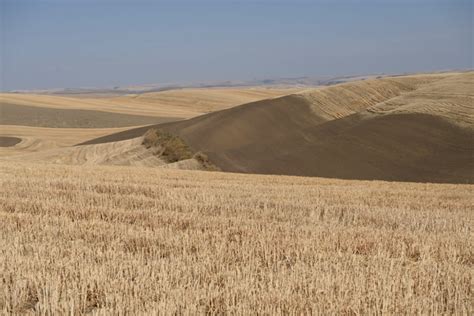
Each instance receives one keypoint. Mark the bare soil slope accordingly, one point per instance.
(413, 128)
(270, 119)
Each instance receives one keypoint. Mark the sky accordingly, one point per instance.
(105, 43)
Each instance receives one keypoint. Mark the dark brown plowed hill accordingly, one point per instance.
(266, 120)
(301, 135)
(404, 147)
(14, 114)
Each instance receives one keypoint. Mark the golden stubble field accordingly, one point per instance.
(131, 240)
(181, 103)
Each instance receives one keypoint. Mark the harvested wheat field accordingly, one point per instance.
(41, 139)
(132, 240)
(182, 103)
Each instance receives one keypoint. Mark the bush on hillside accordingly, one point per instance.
(205, 162)
(171, 147)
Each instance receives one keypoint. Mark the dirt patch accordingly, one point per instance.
(7, 141)
(14, 114)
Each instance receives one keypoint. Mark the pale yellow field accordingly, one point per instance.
(129, 152)
(183, 103)
(131, 240)
(451, 98)
(197, 101)
(36, 139)
(341, 100)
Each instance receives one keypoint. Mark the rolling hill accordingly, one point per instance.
(179, 103)
(37, 122)
(408, 128)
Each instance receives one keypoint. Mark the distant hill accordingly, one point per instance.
(150, 88)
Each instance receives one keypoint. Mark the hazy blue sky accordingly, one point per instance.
(101, 43)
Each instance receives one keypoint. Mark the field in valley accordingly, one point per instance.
(133, 240)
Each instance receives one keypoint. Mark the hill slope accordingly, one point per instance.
(271, 119)
(127, 152)
(132, 152)
(413, 128)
